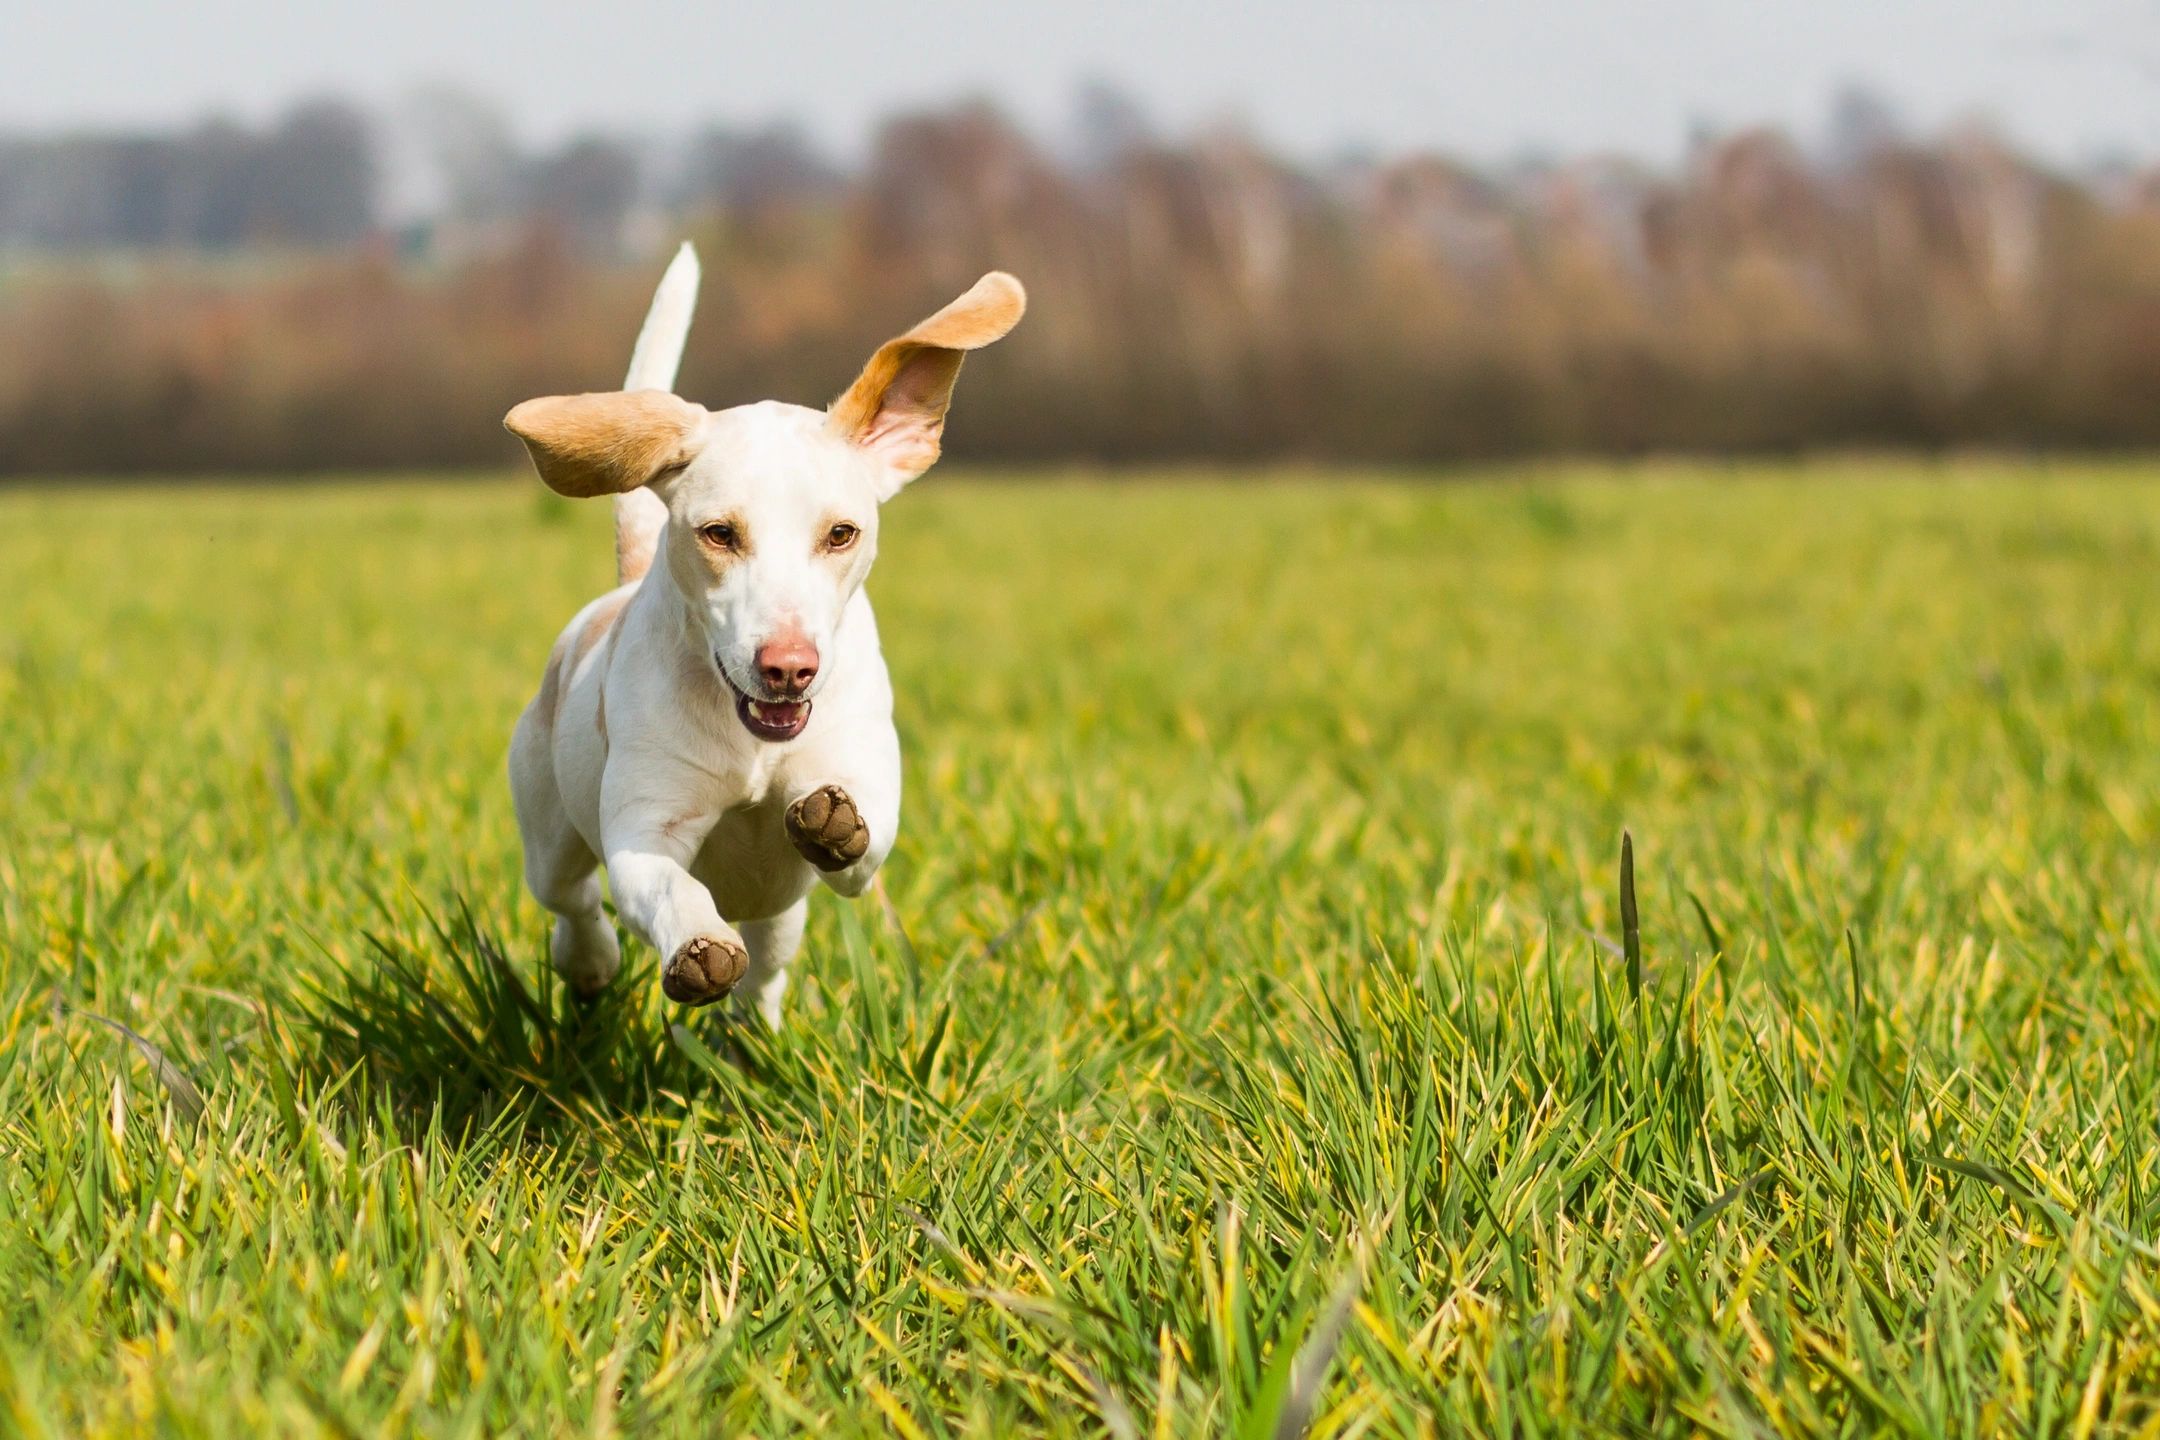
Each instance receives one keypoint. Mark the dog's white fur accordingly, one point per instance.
(637, 750)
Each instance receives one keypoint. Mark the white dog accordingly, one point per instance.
(719, 727)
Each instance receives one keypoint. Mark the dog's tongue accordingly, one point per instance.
(778, 712)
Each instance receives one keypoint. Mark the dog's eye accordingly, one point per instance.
(719, 535)
(841, 536)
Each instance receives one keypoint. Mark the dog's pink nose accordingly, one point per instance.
(787, 665)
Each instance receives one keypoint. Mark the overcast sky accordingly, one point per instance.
(1492, 80)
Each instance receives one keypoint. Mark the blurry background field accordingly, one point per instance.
(1254, 929)
(1193, 297)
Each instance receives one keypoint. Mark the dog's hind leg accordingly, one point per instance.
(561, 870)
(565, 878)
(772, 944)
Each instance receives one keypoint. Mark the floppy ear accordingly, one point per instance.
(605, 444)
(896, 407)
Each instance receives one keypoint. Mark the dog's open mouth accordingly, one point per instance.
(768, 719)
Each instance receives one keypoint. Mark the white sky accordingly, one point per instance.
(2070, 79)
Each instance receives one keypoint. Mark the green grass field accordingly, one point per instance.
(1246, 1038)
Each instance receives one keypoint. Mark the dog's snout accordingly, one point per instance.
(787, 665)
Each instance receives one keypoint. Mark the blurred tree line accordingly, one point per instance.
(338, 290)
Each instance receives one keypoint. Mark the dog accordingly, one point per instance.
(717, 730)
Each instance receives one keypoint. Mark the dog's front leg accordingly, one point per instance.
(648, 848)
(845, 828)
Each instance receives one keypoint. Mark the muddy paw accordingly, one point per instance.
(703, 969)
(826, 827)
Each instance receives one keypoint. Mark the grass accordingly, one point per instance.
(1255, 1035)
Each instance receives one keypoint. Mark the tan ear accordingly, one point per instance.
(896, 407)
(608, 443)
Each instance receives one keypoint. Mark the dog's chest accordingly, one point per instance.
(748, 864)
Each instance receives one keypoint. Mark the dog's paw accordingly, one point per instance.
(585, 955)
(827, 829)
(703, 969)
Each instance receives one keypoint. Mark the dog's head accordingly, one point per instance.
(772, 508)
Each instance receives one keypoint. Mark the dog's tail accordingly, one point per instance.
(639, 514)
